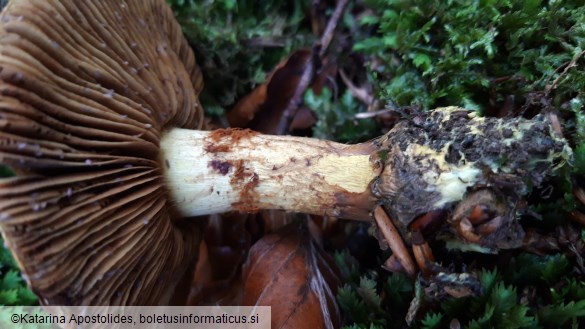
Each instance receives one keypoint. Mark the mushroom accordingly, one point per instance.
(87, 88)
(100, 119)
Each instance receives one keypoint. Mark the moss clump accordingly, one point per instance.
(237, 42)
(337, 119)
(533, 292)
(13, 289)
(479, 55)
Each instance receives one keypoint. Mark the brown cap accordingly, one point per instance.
(86, 89)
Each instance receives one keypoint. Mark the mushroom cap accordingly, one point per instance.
(86, 90)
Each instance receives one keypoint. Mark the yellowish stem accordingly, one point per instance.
(231, 169)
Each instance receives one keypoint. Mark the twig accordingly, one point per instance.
(422, 252)
(394, 240)
(367, 115)
(331, 25)
(309, 72)
(571, 64)
(295, 102)
(360, 93)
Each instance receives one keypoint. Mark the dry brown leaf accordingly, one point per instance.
(303, 119)
(263, 108)
(217, 279)
(275, 107)
(246, 108)
(289, 272)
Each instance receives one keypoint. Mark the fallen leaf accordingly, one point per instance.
(206, 289)
(245, 110)
(304, 119)
(217, 279)
(289, 272)
(264, 107)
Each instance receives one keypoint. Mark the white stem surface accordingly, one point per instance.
(231, 169)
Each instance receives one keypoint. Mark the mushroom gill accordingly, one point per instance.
(86, 90)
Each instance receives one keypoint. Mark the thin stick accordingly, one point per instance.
(359, 93)
(331, 25)
(295, 102)
(394, 240)
(568, 66)
(422, 252)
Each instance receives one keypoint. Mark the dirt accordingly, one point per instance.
(235, 134)
(223, 148)
(242, 180)
(222, 140)
(245, 182)
(508, 155)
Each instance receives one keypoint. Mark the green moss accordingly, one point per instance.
(383, 155)
(13, 289)
(578, 124)
(337, 119)
(557, 301)
(475, 54)
(237, 43)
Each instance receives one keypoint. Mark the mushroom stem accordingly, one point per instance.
(234, 169)
(424, 164)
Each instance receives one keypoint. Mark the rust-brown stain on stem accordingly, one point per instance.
(222, 140)
(245, 182)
